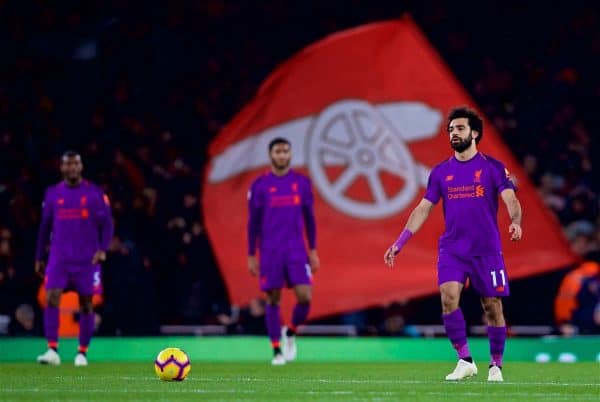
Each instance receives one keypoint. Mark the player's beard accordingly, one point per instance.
(462, 144)
(280, 166)
(72, 178)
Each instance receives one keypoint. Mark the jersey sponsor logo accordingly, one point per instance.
(72, 213)
(479, 191)
(284, 200)
(460, 192)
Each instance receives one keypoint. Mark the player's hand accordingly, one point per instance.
(40, 268)
(515, 231)
(313, 261)
(253, 265)
(100, 256)
(390, 256)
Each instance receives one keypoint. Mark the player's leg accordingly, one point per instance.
(86, 328)
(454, 321)
(299, 316)
(492, 306)
(491, 282)
(271, 282)
(302, 307)
(273, 322)
(452, 274)
(298, 276)
(51, 321)
(55, 281)
(85, 279)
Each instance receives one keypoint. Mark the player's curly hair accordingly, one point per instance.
(475, 121)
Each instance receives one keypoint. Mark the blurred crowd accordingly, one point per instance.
(141, 89)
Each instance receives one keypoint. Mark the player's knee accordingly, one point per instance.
(492, 309)
(273, 298)
(304, 298)
(53, 299)
(303, 294)
(495, 319)
(449, 301)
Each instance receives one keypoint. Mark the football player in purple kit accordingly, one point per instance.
(280, 204)
(77, 224)
(469, 184)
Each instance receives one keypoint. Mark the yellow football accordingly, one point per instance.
(172, 364)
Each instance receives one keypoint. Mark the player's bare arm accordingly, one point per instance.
(253, 265)
(416, 219)
(313, 260)
(514, 211)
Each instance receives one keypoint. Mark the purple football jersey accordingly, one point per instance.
(280, 212)
(76, 222)
(469, 191)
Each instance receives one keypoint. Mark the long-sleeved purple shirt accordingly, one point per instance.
(280, 211)
(469, 191)
(76, 222)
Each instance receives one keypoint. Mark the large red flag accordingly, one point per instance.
(364, 110)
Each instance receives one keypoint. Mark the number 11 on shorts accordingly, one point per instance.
(495, 281)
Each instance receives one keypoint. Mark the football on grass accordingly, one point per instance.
(172, 364)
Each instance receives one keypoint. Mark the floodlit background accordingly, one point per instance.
(141, 89)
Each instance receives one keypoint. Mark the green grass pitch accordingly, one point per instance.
(233, 381)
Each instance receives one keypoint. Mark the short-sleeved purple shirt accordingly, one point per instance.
(469, 191)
